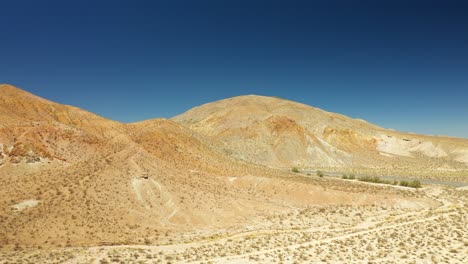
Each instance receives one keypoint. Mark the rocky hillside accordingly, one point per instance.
(37, 131)
(70, 177)
(286, 134)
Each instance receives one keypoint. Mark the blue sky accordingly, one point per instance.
(398, 64)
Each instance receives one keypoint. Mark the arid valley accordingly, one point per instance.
(247, 131)
(249, 179)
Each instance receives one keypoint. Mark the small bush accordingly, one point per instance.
(320, 173)
(351, 176)
(365, 179)
(344, 176)
(404, 183)
(295, 170)
(411, 184)
(415, 184)
(374, 179)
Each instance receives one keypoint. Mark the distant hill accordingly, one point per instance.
(285, 134)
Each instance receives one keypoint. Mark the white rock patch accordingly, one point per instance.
(386, 154)
(462, 155)
(232, 179)
(25, 204)
(428, 149)
(405, 147)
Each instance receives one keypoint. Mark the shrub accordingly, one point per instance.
(295, 170)
(344, 176)
(365, 178)
(374, 179)
(412, 184)
(404, 183)
(319, 173)
(351, 176)
(415, 184)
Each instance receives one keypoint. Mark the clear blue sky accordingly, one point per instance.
(399, 64)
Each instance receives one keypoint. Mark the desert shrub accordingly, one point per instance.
(415, 184)
(295, 170)
(365, 178)
(351, 176)
(374, 179)
(319, 173)
(344, 176)
(404, 183)
(411, 184)
(377, 180)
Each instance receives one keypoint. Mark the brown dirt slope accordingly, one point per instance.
(36, 134)
(70, 177)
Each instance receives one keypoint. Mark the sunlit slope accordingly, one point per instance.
(70, 177)
(282, 133)
(35, 131)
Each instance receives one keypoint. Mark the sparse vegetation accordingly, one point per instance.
(412, 184)
(415, 184)
(349, 176)
(375, 179)
(404, 183)
(392, 234)
(197, 207)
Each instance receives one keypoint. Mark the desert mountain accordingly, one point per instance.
(285, 134)
(70, 177)
(37, 131)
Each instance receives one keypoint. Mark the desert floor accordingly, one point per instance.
(409, 233)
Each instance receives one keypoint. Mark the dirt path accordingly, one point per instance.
(371, 225)
(326, 240)
(443, 210)
(102, 251)
(357, 230)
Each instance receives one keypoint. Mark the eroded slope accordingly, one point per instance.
(281, 133)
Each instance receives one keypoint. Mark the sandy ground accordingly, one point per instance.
(408, 233)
